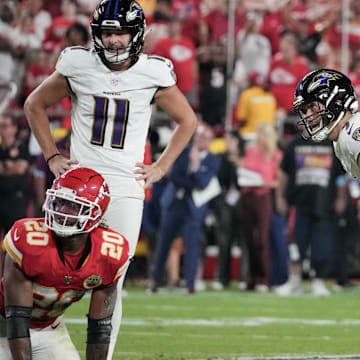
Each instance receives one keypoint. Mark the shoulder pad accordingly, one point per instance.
(24, 235)
(115, 248)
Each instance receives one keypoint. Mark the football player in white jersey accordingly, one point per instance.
(112, 87)
(326, 103)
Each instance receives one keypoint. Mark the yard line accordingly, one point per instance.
(298, 357)
(253, 321)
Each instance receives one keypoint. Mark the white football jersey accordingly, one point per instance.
(111, 110)
(347, 147)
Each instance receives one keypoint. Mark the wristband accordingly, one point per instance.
(51, 157)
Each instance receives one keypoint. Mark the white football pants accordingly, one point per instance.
(124, 216)
(50, 343)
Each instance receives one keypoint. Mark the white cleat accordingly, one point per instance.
(290, 288)
(318, 288)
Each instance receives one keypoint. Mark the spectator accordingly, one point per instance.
(261, 161)
(214, 25)
(213, 84)
(41, 18)
(181, 213)
(40, 68)
(77, 35)
(253, 48)
(354, 74)
(286, 70)
(225, 208)
(189, 13)
(9, 64)
(255, 105)
(181, 51)
(157, 25)
(43, 177)
(14, 165)
(308, 183)
(55, 34)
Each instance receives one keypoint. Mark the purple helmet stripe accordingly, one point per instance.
(107, 11)
(116, 7)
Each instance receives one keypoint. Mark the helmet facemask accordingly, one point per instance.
(123, 53)
(67, 214)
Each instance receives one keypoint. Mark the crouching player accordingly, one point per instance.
(52, 262)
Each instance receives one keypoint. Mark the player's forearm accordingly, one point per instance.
(178, 141)
(20, 348)
(39, 124)
(96, 351)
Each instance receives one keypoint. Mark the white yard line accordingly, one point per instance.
(254, 321)
(298, 357)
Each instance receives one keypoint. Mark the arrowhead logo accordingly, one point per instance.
(16, 236)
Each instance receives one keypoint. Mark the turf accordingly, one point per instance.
(229, 325)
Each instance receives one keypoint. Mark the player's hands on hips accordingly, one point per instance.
(60, 164)
(149, 173)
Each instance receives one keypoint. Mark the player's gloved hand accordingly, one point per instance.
(149, 173)
(60, 164)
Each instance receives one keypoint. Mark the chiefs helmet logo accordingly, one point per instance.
(92, 281)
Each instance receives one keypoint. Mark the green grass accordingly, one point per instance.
(230, 324)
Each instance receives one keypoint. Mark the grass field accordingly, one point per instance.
(230, 325)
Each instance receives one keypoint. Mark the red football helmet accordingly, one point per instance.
(76, 202)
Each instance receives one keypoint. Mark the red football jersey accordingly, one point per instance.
(56, 285)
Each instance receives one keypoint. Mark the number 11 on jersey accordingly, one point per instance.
(101, 105)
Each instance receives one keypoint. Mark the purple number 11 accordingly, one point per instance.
(119, 124)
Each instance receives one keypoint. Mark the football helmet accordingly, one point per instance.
(329, 95)
(76, 202)
(119, 15)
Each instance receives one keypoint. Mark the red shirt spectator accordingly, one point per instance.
(37, 72)
(217, 22)
(55, 34)
(189, 12)
(181, 51)
(287, 68)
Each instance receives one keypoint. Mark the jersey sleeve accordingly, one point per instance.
(18, 243)
(64, 63)
(71, 60)
(13, 243)
(353, 146)
(162, 70)
(115, 249)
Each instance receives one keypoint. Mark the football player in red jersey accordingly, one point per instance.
(51, 262)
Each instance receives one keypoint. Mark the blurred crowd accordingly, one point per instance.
(272, 189)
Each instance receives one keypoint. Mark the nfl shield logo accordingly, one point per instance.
(114, 82)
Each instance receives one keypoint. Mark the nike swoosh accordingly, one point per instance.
(16, 236)
(55, 326)
(349, 131)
